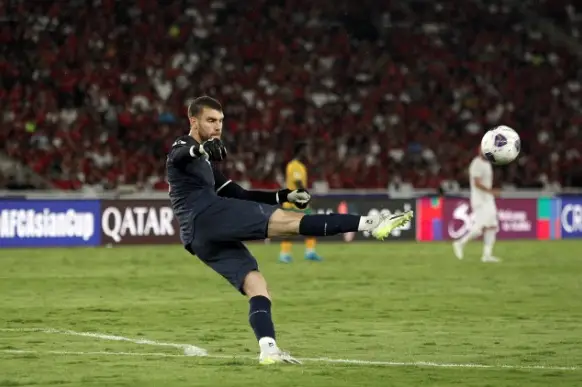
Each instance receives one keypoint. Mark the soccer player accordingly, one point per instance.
(483, 208)
(216, 216)
(296, 178)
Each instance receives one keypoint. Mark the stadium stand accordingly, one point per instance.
(388, 93)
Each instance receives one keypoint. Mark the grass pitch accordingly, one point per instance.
(393, 303)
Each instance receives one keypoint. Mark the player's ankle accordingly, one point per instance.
(267, 344)
(368, 223)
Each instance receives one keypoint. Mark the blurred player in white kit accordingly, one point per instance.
(483, 208)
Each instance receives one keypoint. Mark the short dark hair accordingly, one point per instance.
(196, 106)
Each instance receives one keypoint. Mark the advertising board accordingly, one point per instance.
(48, 223)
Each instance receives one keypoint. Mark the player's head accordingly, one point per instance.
(300, 151)
(206, 117)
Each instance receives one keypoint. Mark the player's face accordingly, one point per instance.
(208, 124)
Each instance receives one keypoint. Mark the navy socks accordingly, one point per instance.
(326, 225)
(260, 317)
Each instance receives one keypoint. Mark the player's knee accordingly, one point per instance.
(284, 223)
(255, 285)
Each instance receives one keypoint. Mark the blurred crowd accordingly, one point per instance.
(387, 93)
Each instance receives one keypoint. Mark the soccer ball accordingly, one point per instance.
(501, 145)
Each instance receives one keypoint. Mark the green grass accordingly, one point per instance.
(397, 302)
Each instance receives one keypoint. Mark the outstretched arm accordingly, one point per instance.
(229, 189)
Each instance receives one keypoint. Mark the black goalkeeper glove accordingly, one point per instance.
(299, 197)
(213, 148)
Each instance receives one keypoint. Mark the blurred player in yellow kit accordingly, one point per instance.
(296, 178)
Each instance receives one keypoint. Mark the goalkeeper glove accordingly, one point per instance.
(213, 148)
(299, 197)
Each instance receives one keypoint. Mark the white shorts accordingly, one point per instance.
(485, 216)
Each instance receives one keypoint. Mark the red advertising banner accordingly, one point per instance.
(517, 218)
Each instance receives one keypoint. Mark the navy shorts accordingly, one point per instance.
(220, 232)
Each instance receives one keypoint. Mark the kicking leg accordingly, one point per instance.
(283, 223)
(231, 220)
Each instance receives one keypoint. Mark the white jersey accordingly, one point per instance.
(482, 169)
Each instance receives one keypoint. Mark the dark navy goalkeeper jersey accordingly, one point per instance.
(194, 184)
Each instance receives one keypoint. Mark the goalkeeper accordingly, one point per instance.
(217, 216)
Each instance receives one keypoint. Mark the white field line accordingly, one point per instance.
(90, 353)
(193, 350)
